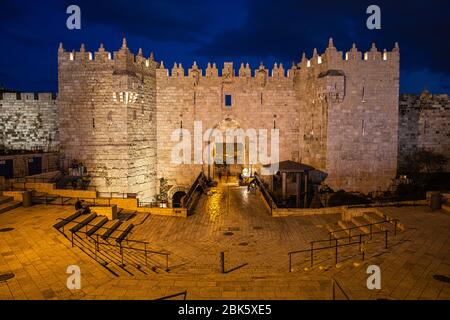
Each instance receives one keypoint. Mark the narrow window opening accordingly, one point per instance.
(228, 100)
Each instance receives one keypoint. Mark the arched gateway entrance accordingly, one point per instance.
(227, 152)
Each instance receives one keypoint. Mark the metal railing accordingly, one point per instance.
(335, 284)
(361, 246)
(186, 202)
(62, 200)
(119, 242)
(266, 194)
(184, 294)
(369, 225)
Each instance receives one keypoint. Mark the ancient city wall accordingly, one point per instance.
(28, 121)
(260, 99)
(356, 97)
(424, 123)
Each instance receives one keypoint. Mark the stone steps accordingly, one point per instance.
(9, 205)
(361, 223)
(5, 199)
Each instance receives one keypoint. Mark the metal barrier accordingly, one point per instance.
(336, 246)
(201, 179)
(184, 293)
(370, 225)
(97, 243)
(334, 284)
(266, 194)
(62, 201)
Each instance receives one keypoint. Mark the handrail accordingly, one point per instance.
(188, 196)
(184, 293)
(115, 238)
(336, 246)
(96, 201)
(99, 227)
(266, 194)
(387, 220)
(334, 284)
(97, 243)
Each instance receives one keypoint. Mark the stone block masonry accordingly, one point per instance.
(424, 124)
(336, 111)
(107, 108)
(28, 121)
(338, 114)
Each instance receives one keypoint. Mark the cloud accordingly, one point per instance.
(232, 30)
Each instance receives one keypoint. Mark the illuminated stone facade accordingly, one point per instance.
(337, 112)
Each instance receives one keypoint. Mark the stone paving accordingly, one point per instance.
(256, 243)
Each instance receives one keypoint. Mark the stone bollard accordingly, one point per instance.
(27, 199)
(434, 200)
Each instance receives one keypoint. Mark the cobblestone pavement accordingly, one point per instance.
(236, 222)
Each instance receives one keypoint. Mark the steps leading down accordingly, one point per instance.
(8, 203)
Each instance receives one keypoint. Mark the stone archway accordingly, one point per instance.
(176, 193)
(228, 152)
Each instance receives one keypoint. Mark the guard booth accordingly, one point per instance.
(7, 168)
(34, 166)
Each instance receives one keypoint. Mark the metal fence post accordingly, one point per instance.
(167, 262)
(290, 262)
(222, 262)
(386, 242)
(121, 253)
(145, 252)
(334, 290)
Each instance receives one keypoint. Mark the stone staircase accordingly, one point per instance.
(370, 221)
(108, 242)
(8, 203)
(370, 227)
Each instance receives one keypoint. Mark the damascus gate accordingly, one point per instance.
(336, 111)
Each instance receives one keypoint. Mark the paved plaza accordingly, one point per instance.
(231, 220)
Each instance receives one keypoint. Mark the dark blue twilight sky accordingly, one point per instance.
(217, 31)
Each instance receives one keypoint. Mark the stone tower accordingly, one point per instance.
(349, 116)
(107, 106)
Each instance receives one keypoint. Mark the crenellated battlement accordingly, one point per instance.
(333, 58)
(123, 58)
(227, 73)
(27, 96)
(330, 59)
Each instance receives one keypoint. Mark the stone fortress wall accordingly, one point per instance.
(265, 100)
(338, 112)
(28, 121)
(349, 116)
(106, 106)
(424, 124)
